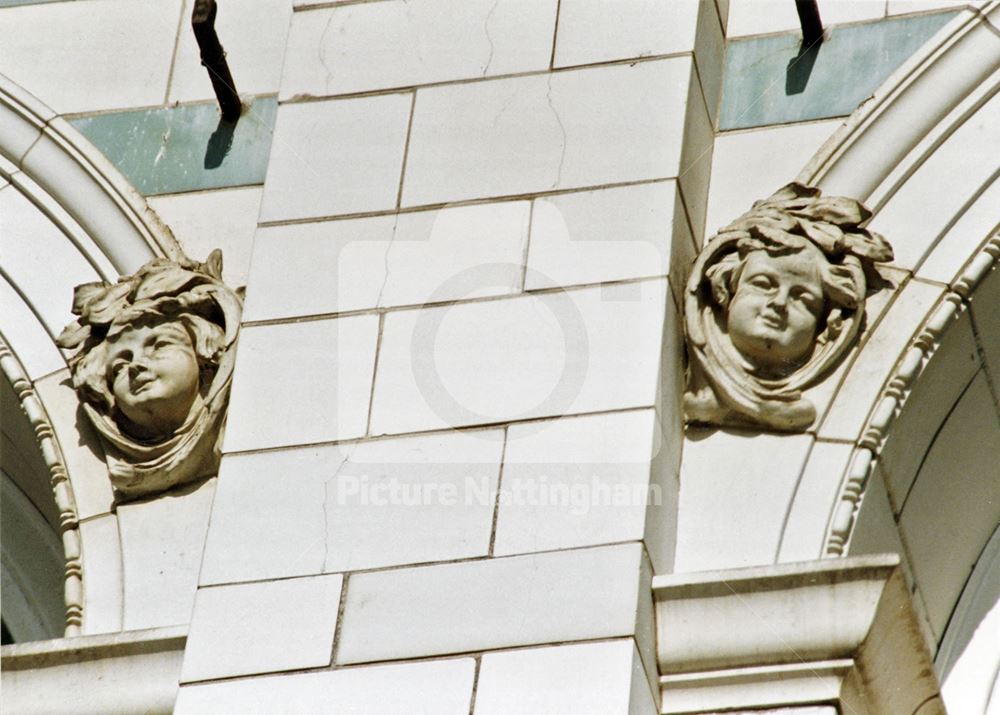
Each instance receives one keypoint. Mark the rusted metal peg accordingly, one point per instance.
(213, 58)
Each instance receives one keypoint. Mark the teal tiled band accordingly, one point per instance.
(187, 148)
(772, 80)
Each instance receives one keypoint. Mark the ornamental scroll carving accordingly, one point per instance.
(774, 302)
(152, 365)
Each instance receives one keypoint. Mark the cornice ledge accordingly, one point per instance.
(127, 672)
(833, 631)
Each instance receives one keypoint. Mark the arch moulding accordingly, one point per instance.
(932, 111)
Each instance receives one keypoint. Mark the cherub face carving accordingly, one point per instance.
(773, 303)
(154, 376)
(776, 308)
(152, 363)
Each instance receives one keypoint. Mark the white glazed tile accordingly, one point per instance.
(540, 355)
(382, 261)
(804, 536)
(754, 17)
(963, 239)
(479, 605)
(607, 235)
(601, 30)
(902, 7)
(204, 221)
(80, 449)
(336, 157)
(735, 491)
(301, 383)
(696, 155)
(953, 502)
(102, 575)
(710, 56)
(440, 687)
(983, 304)
(575, 482)
(382, 45)
(749, 166)
(26, 336)
(584, 679)
(936, 391)
(537, 133)
(919, 212)
(78, 441)
(102, 54)
(40, 260)
(856, 396)
(162, 541)
(875, 529)
(263, 627)
(253, 35)
(361, 506)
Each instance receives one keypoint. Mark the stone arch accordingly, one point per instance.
(85, 222)
(921, 154)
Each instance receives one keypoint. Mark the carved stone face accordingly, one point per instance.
(154, 375)
(775, 311)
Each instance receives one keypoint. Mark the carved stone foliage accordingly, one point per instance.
(153, 363)
(774, 301)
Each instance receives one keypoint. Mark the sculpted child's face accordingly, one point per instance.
(154, 375)
(776, 308)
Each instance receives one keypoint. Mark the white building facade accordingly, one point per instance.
(456, 475)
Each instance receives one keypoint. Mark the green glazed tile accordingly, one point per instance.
(174, 149)
(768, 82)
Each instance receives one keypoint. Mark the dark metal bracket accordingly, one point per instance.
(812, 25)
(213, 58)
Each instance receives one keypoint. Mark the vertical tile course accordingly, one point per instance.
(575, 482)
(359, 506)
(606, 235)
(531, 134)
(383, 261)
(202, 222)
(540, 355)
(735, 490)
(440, 687)
(94, 55)
(262, 627)
(399, 43)
(585, 679)
(601, 30)
(301, 383)
(477, 605)
(162, 541)
(336, 157)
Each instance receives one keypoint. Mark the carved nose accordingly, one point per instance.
(137, 366)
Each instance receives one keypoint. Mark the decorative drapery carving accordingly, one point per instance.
(774, 301)
(153, 365)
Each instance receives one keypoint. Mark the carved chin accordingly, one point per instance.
(770, 353)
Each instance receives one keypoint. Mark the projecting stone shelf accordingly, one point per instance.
(833, 632)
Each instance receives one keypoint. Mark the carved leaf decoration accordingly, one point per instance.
(87, 293)
(213, 264)
(170, 280)
(73, 335)
(827, 237)
(102, 308)
(868, 244)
